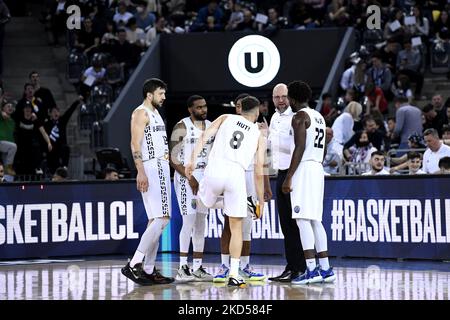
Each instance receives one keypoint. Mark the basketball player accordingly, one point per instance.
(151, 156)
(305, 181)
(237, 141)
(184, 136)
(246, 272)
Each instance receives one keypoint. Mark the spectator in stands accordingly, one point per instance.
(380, 74)
(93, 75)
(409, 62)
(435, 151)
(111, 174)
(422, 26)
(122, 15)
(440, 107)
(337, 14)
(376, 164)
(333, 156)
(60, 175)
(374, 133)
(144, 18)
(343, 125)
(408, 121)
(248, 24)
(391, 140)
(39, 109)
(40, 92)
(275, 21)
(402, 88)
(415, 141)
(349, 75)
(234, 15)
(301, 16)
(5, 17)
(87, 40)
(8, 146)
(395, 27)
(442, 22)
(159, 27)
(56, 128)
(360, 153)
(388, 55)
(135, 35)
(211, 10)
(432, 120)
(413, 163)
(29, 129)
(444, 165)
(110, 36)
(328, 110)
(377, 104)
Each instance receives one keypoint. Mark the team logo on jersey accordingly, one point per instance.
(194, 204)
(254, 61)
(296, 209)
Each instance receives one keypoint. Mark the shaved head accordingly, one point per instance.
(279, 97)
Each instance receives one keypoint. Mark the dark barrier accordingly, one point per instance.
(199, 62)
(389, 217)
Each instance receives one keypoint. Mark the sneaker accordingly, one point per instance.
(308, 277)
(157, 278)
(248, 274)
(328, 275)
(184, 274)
(237, 281)
(253, 208)
(136, 274)
(222, 276)
(201, 275)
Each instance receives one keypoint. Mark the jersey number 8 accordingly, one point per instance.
(236, 140)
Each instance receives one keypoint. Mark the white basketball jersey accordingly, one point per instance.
(190, 139)
(236, 141)
(315, 137)
(154, 144)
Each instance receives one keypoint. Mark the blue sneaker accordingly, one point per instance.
(250, 275)
(223, 274)
(328, 275)
(308, 277)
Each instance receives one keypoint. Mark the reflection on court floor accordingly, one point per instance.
(102, 280)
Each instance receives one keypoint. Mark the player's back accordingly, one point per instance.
(236, 141)
(315, 137)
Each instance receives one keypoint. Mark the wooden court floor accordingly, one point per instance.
(101, 279)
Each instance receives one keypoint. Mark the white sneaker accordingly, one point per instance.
(201, 275)
(184, 274)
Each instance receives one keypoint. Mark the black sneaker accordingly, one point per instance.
(136, 274)
(236, 281)
(157, 278)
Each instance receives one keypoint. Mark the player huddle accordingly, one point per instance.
(221, 165)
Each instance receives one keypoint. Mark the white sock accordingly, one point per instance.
(311, 264)
(197, 264)
(225, 259)
(234, 271)
(245, 260)
(324, 263)
(183, 261)
(137, 258)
